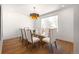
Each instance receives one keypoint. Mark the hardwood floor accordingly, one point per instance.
(66, 46)
(14, 46)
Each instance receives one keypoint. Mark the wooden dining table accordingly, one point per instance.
(41, 40)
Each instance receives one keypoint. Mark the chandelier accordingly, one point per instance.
(34, 16)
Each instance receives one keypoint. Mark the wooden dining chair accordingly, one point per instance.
(23, 36)
(49, 37)
(49, 43)
(31, 39)
(46, 34)
(58, 49)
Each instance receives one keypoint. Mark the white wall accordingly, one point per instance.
(65, 26)
(0, 32)
(12, 21)
(76, 28)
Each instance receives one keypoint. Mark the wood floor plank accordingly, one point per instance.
(14, 46)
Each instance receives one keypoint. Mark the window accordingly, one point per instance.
(50, 22)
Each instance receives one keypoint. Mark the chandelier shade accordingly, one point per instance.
(34, 16)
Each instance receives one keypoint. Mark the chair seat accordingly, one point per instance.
(35, 39)
(46, 39)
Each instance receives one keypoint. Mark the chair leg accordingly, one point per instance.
(50, 49)
(55, 44)
(23, 42)
(42, 43)
(31, 48)
(33, 45)
(27, 44)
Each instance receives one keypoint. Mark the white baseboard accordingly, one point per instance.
(10, 37)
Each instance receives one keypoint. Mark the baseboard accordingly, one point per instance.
(64, 41)
(12, 38)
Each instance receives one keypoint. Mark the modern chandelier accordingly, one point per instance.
(34, 15)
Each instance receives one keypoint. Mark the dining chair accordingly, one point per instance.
(49, 36)
(31, 39)
(58, 49)
(46, 34)
(48, 41)
(23, 36)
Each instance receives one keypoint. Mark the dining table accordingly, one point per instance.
(40, 36)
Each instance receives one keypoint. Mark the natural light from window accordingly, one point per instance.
(50, 22)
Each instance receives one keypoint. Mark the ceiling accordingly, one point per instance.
(26, 9)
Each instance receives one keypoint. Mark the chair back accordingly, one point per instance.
(51, 34)
(45, 32)
(23, 33)
(29, 35)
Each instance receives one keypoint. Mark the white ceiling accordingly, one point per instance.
(28, 8)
